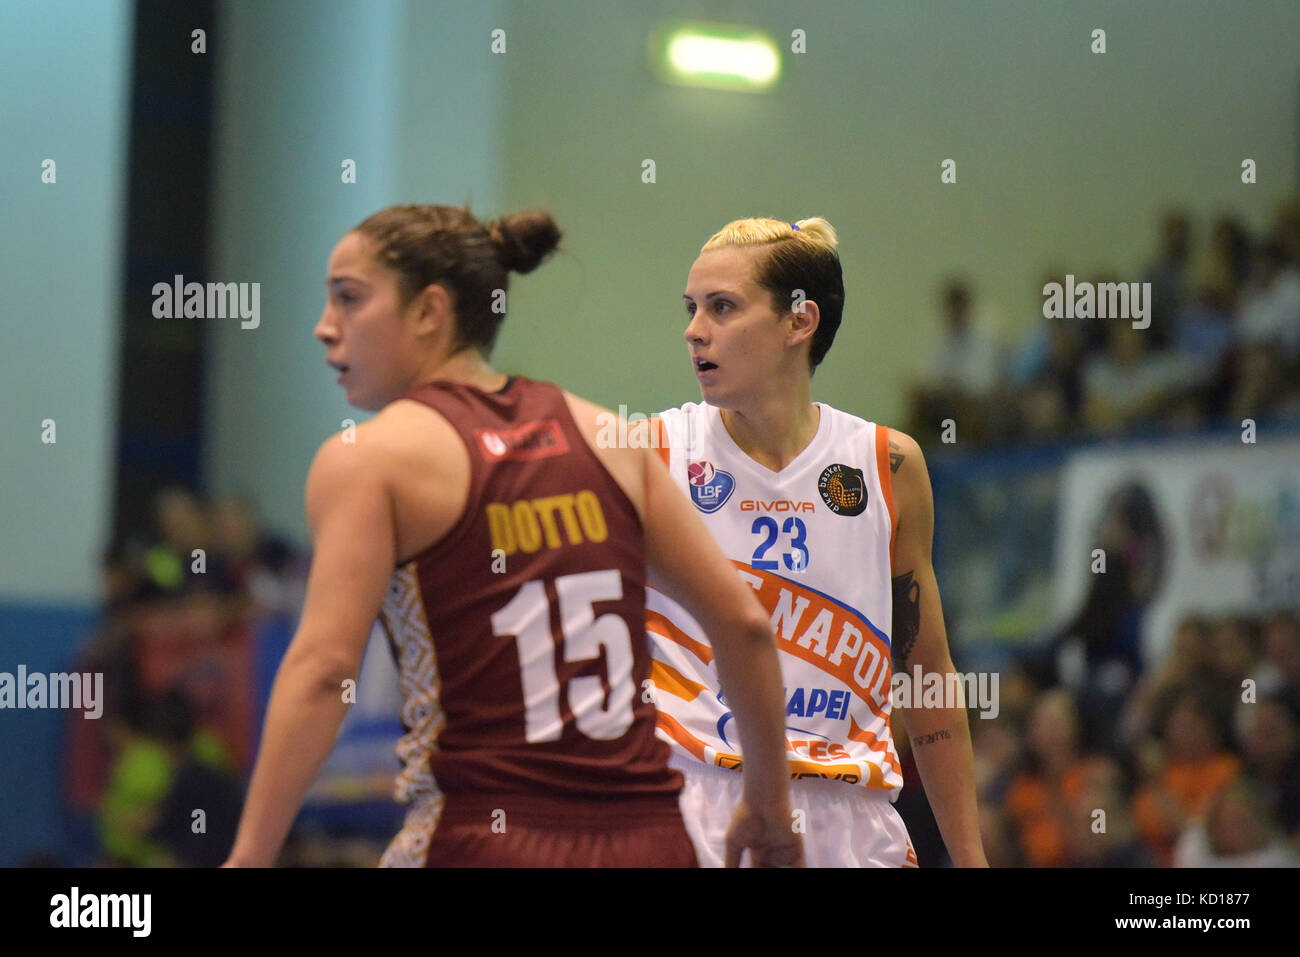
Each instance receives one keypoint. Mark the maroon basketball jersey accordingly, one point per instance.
(520, 636)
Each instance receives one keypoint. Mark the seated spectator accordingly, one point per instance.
(1100, 831)
(1168, 273)
(1204, 331)
(181, 526)
(1238, 830)
(1193, 763)
(1269, 733)
(1128, 385)
(996, 746)
(1279, 671)
(1188, 662)
(1270, 306)
(1000, 848)
(139, 810)
(198, 816)
(1047, 375)
(1267, 358)
(963, 371)
(1233, 654)
(1037, 800)
(1225, 263)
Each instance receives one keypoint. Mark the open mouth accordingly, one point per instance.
(704, 365)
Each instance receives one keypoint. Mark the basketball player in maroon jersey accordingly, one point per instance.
(505, 554)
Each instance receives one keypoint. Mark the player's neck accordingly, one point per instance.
(468, 367)
(775, 434)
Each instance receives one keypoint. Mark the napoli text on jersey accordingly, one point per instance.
(814, 543)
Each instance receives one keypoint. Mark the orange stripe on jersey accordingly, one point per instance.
(661, 436)
(673, 728)
(825, 634)
(668, 678)
(857, 733)
(664, 628)
(886, 482)
(911, 856)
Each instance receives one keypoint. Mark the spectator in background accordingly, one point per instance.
(181, 525)
(997, 756)
(1168, 273)
(1280, 669)
(1107, 627)
(1270, 306)
(157, 747)
(999, 843)
(1192, 764)
(1225, 263)
(1204, 334)
(1233, 652)
(1037, 800)
(963, 371)
(201, 781)
(1047, 374)
(1238, 831)
(1100, 831)
(1186, 664)
(261, 567)
(1129, 385)
(1268, 334)
(1270, 741)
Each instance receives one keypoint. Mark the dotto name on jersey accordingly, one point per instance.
(527, 524)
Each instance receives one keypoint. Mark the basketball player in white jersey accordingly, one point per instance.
(829, 519)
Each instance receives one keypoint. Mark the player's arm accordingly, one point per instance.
(690, 568)
(940, 737)
(349, 510)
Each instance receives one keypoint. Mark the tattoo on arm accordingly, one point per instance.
(907, 619)
(895, 456)
(940, 735)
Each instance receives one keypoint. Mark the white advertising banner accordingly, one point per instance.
(1210, 527)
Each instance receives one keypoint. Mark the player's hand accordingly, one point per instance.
(768, 834)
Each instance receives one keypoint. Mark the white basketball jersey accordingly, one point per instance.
(814, 542)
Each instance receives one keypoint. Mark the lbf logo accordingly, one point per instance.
(710, 487)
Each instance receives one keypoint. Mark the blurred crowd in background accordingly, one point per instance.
(1223, 344)
(1197, 766)
(176, 644)
(1193, 760)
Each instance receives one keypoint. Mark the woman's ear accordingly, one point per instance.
(434, 308)
(805, 315)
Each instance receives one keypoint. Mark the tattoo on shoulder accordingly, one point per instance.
(907, 619)
(895, 456)
(940, 735)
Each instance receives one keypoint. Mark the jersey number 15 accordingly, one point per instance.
(527, 618)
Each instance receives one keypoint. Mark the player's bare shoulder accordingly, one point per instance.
(620, 446)
(909, 475)
(411, 435)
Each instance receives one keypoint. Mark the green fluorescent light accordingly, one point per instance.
(723, 58)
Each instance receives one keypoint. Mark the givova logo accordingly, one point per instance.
(710, 487)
